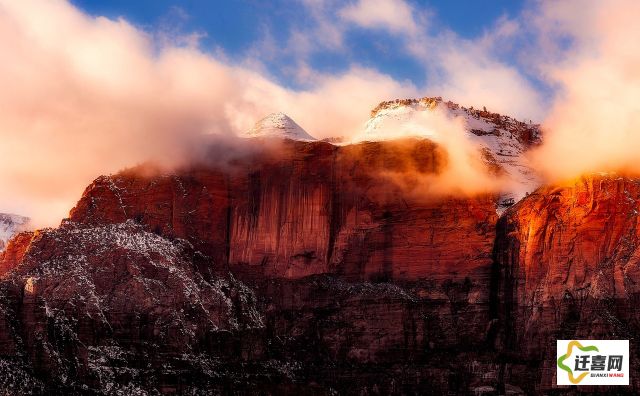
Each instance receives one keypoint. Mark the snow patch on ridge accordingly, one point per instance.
(501, 140)
(279, 125)
(10, 225)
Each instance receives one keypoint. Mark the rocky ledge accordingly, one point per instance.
(308, 273)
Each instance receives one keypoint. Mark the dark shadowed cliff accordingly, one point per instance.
(312, 272)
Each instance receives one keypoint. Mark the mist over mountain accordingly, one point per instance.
(273, 198)
(304, 266)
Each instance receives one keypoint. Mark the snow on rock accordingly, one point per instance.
(279, 125)
(93, 286)
(501, 140)
(10, 225)
(156, 271)
(14, 376)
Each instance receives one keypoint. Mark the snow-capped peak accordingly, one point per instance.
(10, 225)
(501, 140)
(396, 119)
(279, 125)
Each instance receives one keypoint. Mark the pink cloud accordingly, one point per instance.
(84, 96)
(594, 123)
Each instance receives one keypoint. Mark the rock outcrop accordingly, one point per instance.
(115, 309)
(567, 257)
(319, 270)
(315, 209)
(353, 272)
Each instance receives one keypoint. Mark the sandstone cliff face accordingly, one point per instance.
(14, 252)
(354, 274)
(319, 270)
(567, 259)
(314, 209)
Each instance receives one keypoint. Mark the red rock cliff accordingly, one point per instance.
(312, 271)
(568, 260)
(315, 208)
(351, 263)
(14, 252)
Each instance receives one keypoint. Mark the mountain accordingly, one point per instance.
(279, 125)
(302, 268)
(313, 209)
(568, 262)
(306, 271)
(502, 141)
(10, 225)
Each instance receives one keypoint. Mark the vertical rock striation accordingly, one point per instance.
(319, 270)
(567, 268)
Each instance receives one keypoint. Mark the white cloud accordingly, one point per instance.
(468, 73)
(595, 120)
(84, 96)
(396, 16)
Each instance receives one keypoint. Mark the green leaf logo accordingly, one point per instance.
(561, 359)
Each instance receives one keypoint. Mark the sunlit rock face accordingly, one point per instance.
(315, 209)
(14, 251)
(568, 265)
(297, 267)
(321, 210)
(314, 271)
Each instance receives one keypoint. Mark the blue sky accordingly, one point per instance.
(240, 27)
